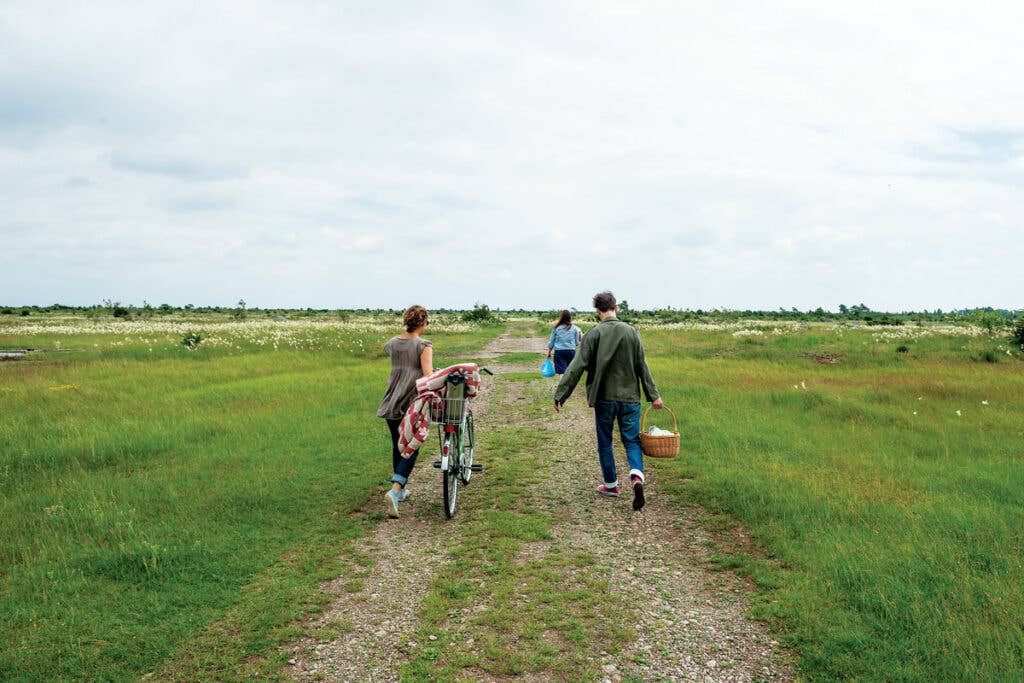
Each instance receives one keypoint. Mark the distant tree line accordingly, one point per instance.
(992, 319)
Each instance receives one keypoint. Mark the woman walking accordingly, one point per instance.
(412, 357)
(565, 337)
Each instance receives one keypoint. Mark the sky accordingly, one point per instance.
(739, 155)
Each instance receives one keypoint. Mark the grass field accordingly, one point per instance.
(150, 490)
(884, 489)
(172, 510)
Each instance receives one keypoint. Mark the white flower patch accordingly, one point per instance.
(936, 330)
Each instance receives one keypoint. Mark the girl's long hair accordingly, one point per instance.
(564, 320)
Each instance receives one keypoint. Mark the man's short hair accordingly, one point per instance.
(604, 302)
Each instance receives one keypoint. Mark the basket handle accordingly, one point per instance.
(643, 420)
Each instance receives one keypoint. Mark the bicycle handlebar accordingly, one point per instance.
(459, 377)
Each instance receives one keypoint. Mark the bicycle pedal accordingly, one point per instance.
(437, 464)
(477, 468)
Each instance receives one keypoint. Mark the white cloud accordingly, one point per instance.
(318, 154)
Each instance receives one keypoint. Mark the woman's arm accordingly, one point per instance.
(427, 360)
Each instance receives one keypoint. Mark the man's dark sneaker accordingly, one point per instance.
(638, 494)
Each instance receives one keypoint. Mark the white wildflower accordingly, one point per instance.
(958, 413)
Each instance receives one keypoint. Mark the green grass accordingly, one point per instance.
(891, 529)
(180, 506)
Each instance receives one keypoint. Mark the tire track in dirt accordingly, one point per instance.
(375, 605)
(690, 623)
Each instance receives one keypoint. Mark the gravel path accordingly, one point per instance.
(689, 622)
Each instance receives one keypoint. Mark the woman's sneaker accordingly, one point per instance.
(608, 490)
(392, 503)
(404, 494)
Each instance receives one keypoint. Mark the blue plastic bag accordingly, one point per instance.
(547, 369)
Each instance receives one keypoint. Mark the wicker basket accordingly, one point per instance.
(659, 446)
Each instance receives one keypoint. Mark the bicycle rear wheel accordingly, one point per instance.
(450, 474)
(466, 450)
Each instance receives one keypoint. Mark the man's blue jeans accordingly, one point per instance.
(628, 416)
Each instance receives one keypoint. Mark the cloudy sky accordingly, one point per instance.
(696, 155)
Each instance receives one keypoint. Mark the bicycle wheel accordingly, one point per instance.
(466, 451)
(450, 474)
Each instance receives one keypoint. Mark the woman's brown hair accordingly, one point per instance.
(414, 317)
(565, 320)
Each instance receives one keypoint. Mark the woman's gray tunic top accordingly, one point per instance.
(405, 370)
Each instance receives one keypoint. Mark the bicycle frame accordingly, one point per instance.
(454, 419)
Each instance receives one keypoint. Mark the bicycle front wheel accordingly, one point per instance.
(450, 474)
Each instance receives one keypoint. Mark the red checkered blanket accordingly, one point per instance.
(430, 389)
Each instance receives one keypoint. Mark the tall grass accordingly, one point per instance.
(144, 490)
(892, 526)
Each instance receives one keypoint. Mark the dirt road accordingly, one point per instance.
(537, 577)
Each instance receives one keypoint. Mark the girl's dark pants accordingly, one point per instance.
(402, 467)
(562, 359)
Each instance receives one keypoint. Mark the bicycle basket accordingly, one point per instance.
(454, 403)
(437, 409)
(453, 411)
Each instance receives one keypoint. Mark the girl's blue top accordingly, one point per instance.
(564, 338)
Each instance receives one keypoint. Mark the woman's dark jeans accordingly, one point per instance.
(402, 467)
(562, 359)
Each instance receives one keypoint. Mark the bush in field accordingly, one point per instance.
(882, 319)
(7, 311)
(115, 308)
(192, 340)
(990, 320)
(25, 312)
(1017, 334)
(990, 357)
(902, 348)
(481, 313)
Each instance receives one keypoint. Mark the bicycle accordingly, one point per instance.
(454, 419)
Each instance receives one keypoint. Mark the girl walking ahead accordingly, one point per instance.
(412, 357)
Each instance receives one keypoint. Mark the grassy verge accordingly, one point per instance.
(885, 489)
(166, 500)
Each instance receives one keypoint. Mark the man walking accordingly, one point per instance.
(613, 357)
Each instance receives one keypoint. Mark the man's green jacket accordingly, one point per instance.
(613, 357)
